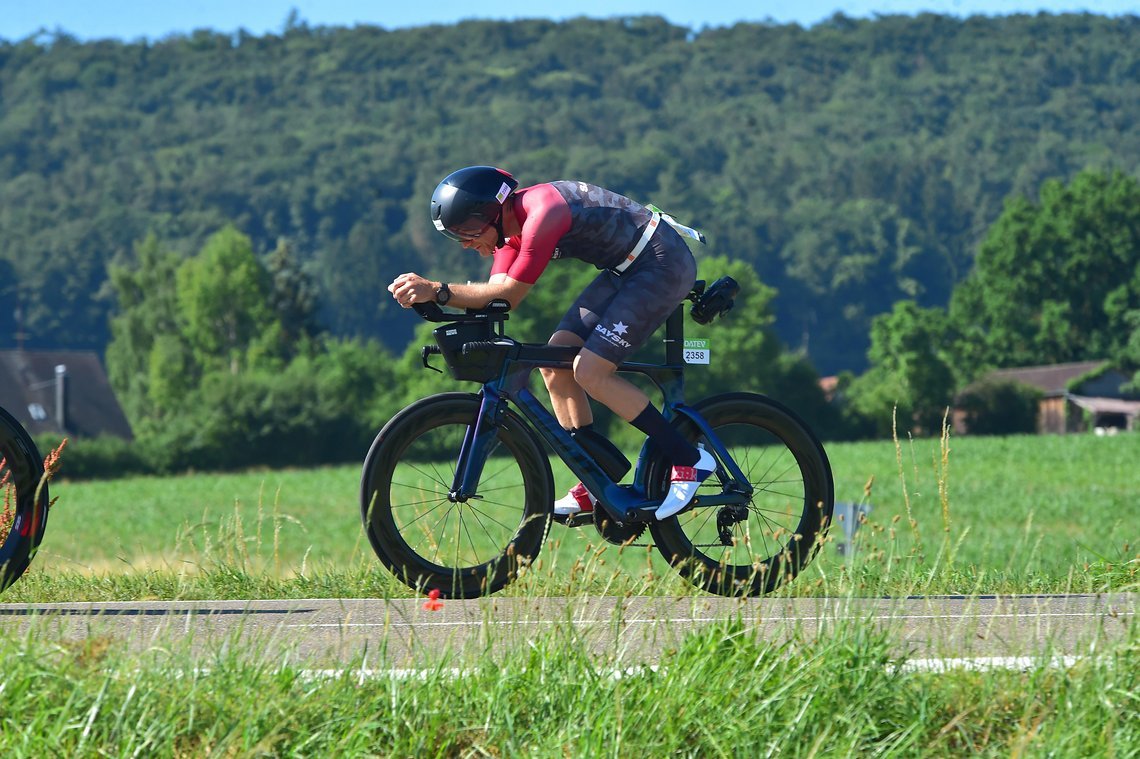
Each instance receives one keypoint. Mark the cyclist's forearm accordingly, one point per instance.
(479, 294)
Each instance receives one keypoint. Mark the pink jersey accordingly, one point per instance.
(566, 219)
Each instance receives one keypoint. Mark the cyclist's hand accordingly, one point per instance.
(411, 288)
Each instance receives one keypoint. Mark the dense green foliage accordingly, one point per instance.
(219, 363)
(851, 164)
(910, 371)
(1056, 280)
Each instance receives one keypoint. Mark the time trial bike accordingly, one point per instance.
(457, 492)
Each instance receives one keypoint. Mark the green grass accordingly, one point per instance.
(723, 691)
(1028, 512)
(959, 516)
(1019, 514)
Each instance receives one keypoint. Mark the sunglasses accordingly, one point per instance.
(467, 233)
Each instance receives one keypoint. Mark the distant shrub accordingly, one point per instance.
(97, 458)
(317, 410)
(1000, 407)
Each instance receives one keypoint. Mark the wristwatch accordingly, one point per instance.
(442, 294)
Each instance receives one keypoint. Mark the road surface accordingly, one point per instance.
(401, 633)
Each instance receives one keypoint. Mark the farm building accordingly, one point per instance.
(1077, 397)
(64, 392)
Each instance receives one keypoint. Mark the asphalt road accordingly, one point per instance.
(401, 633)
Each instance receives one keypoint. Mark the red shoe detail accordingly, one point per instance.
(582, 497)
(684, 474)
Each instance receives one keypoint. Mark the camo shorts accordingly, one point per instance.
(617, 313)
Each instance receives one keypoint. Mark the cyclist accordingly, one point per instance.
(646, 271)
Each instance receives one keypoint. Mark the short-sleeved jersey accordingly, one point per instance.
(566, 219)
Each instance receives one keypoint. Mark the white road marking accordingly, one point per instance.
(933, 666)
(671, 620)
(984, 663)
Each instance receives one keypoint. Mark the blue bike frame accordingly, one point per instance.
(626, 505)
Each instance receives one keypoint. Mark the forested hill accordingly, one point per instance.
(852, 164)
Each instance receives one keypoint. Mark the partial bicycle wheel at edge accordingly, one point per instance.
(737, 552)
(464, 550)
(22, 517)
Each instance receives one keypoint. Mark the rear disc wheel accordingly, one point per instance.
(753, 548)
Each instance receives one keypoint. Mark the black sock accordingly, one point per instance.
(679, 450)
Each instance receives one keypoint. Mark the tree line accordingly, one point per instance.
(907, 201)
(852, 164)
(220, 361)
(1056, 279)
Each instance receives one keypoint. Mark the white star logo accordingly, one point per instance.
(620, 328)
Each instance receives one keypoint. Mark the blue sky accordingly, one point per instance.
(132, 19)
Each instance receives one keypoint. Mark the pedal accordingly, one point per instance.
(580, 519)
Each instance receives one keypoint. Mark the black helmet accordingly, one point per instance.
(468, 201)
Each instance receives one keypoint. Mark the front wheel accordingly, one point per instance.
(23, 516)
(750, 549)
(428, 541)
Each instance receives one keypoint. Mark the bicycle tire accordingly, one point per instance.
(25, 516)
(789, 511)
(482, 544)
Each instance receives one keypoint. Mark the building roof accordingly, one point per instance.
(28, 389)
(1052, 380)
(1107, 405)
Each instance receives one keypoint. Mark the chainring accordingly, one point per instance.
(614, 533)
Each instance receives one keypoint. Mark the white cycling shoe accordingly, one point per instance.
(685, 481)
(577, 501)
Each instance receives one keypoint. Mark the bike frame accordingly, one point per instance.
(623, 504)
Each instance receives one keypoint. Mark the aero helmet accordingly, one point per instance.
(468, 201)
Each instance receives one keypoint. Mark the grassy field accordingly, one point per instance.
(723, 691)
(952, 516)
(1020, 514)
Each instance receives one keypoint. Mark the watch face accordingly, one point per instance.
(442, 295)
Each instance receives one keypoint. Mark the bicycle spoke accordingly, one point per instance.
(491, 518)
(437, 499)
(426, 531)
(425, 513)
(470, 542)
(434, 478)
(435, 534)
(475, 514)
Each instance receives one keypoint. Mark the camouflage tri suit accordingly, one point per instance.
(617, 313)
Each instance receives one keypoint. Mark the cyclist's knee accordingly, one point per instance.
(556, 377)
(560, 377)
(592, 371)
(565, 337)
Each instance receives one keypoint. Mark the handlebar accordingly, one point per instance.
(495, 311)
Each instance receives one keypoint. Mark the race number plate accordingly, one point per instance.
(697, 351)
